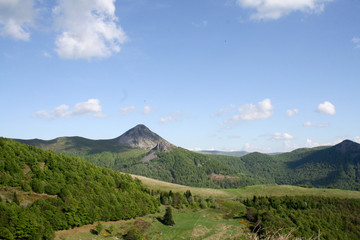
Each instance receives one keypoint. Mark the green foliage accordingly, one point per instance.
(99, 228)
(168, 217)
(134, 233)
(16, 199)
(318, 167)
(85, 193)
(335, 218)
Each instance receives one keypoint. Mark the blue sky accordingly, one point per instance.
(261, 75)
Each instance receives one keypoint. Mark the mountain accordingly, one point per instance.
(142, 137)
(142, 152)
(224, 153)
(138, 137)
(330, 166)
(42, 192)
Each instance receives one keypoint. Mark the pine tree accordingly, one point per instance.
(168, 217)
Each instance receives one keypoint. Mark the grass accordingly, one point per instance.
(221, 223)
(189, 224)
(249, 191)
(165, 186)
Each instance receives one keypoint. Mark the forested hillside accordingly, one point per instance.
(142, 152)
(42, 192)
(337, 166)
(177, 166)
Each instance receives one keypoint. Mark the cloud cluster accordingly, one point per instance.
(292, 112)
(326, 108)
(250, 112)
(16, 16)
(147, 110)
(172, 118)
(127, 110)
(281, 137)
(275, 9)
(253, 148)
(91, 107)
(88, 28)
(318, 125)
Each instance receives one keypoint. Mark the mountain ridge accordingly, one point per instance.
(140, 151)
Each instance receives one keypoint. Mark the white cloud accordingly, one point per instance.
(356, 41)
(223, 111)
(16, 16)
(46, 54)
(275, 9)
(252, 148)
(252, 112)
(311, 144)
(318, 125)
(147, 110)
(326, 108)
(88, 28)
(308, 124)
(127, 110)
(292, 112)
(91, 107)
(357, 139)
(172, 118)
(281, 136)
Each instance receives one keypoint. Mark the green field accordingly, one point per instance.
(250, 191)
(224, 222)
(189, 224)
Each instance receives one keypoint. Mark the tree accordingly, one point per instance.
(99, 227)
(16, 199)
(168, 217)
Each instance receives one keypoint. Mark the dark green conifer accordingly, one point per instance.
(168, 217)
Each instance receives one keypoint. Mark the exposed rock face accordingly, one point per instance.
(141, 137)
(163, 147)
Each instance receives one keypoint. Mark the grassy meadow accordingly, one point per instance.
(224, 222)
(189, 224)
(250, 191)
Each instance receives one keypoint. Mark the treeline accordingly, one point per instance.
(77, 193)
(306, 216)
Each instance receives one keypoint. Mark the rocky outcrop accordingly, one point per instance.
(141, 137)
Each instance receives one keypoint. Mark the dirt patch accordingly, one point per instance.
(221, 177)
(200, 231)
(26, 169)
(41, 165)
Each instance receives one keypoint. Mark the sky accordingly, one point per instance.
(245, 75)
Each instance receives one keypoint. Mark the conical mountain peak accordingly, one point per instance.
(348, 146)
(141, 136)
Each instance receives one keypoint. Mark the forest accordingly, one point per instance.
(50, 192)
(305, 216)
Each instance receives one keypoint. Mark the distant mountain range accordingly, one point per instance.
(224, 153)
(142, 152)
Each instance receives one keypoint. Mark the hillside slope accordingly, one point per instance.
(337, 166)
(69, 192)
(140, 151)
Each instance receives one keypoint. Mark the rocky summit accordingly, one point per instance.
(142, 137)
